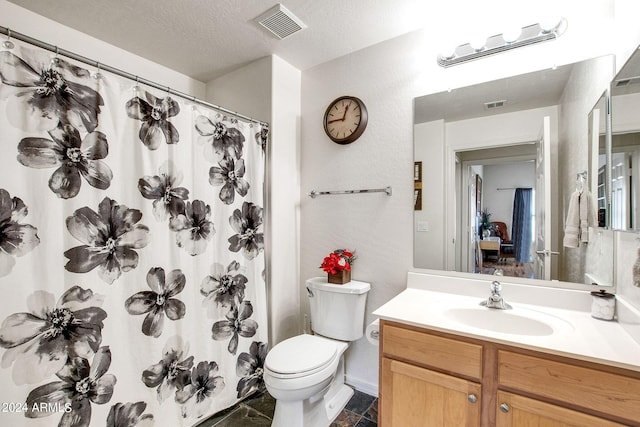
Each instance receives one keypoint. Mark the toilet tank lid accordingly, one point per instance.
(352, 287)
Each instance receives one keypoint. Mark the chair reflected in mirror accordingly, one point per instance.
(506, 244)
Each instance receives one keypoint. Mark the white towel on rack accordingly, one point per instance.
(588, 215)
(572, 225)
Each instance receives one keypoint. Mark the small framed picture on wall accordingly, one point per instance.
(417, 172)
(417, 199)
(478, 193)
(417, 186)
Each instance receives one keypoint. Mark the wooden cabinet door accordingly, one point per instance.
(516, 411)
(414, 396)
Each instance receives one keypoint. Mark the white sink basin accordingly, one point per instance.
(517, 321)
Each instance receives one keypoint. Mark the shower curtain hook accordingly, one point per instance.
(8, 44)
(136, 87)
(98, 75)
(55, 60)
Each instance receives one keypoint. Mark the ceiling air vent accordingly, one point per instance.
(494, 104)
(280, 22)
(628, 82)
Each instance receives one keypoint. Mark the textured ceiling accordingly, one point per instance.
(207, 38)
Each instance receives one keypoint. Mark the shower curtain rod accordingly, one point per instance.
(511, 188)
(100, 66)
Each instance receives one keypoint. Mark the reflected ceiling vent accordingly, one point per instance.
(280, 22)
(628, 82)
(494, 104)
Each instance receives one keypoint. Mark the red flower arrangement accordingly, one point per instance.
(338, 260)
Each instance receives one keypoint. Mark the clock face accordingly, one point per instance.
(345, 119)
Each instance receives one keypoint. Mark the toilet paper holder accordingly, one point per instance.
(373, 332)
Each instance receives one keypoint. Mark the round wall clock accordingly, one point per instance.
(345, 119)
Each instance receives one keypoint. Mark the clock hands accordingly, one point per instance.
(343, 116)
(345, 111)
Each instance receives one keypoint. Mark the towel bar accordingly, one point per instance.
(315, 193)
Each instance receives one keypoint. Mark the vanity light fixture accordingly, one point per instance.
(508, 40)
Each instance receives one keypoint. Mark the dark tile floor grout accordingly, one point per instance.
(360, 411)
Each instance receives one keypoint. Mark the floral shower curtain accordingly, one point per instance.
(131, 251)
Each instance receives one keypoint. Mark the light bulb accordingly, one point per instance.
(477, 43)
(511, 34)
(448, 52)
(549, 23)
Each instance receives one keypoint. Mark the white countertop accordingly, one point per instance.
(583, 337)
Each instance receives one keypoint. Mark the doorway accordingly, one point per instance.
(493, 238)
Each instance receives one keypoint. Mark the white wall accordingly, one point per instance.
(269, 89)
(428, 244)
(23, 21)
(627, 264)
(378, 227)
(246, 90)
(625, 113)
(584, 87)
(505, 175)
(284, 176)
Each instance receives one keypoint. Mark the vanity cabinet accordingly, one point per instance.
(430, 378)
(412, 393)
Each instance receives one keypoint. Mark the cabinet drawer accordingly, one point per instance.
(583, 387)
(431, 350)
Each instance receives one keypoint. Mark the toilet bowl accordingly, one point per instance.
(305, 374)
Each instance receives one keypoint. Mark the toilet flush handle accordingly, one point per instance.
(309, 293)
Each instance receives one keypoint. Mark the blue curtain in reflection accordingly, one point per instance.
(521, 224)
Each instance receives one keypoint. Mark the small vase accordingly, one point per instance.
(340, 278)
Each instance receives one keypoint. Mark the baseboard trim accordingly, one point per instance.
(363, 386)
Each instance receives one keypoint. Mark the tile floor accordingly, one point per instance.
(361, 411)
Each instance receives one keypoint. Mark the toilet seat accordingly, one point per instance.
(301, 356)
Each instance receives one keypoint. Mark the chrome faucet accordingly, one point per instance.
(495, 300)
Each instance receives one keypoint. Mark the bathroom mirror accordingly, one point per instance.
(625, 146)
(511, 144)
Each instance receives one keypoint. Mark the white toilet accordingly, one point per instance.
(305, 374)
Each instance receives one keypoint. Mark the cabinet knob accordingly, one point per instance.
(472, 398)
(504, 408)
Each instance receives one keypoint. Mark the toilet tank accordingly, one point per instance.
(337, 311)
